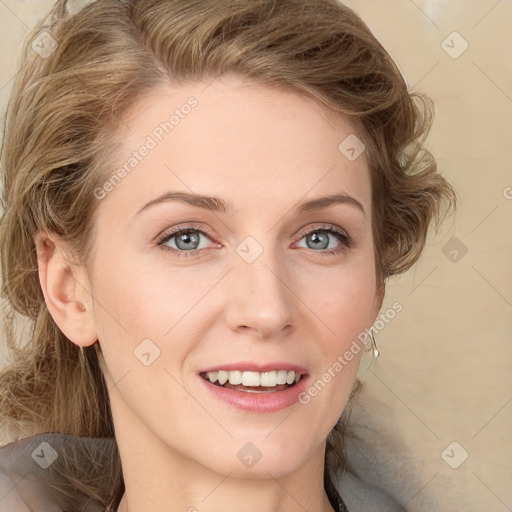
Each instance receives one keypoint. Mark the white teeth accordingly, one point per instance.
(266, 379)
(251, 379)
(281, 376)
(290, 379)
(235, 377)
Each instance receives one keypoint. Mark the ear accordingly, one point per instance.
(66, 290)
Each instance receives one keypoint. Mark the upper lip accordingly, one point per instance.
(246, 366)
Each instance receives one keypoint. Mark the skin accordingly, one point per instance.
(264, 150)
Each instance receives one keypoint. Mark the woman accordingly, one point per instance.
(203, 201)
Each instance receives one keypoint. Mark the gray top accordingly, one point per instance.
(43, 473)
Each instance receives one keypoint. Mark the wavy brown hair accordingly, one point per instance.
(57, 148)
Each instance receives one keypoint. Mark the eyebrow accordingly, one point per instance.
(217, 204)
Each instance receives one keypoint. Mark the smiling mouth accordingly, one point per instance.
(253, 382)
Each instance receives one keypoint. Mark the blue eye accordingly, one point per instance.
(320, 237)
(187, 240)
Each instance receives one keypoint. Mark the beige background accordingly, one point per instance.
(444, 373)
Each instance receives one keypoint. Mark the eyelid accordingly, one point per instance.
(171, 233)
(347, 240)
(330, 228)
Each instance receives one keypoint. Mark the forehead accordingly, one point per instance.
(254, 145)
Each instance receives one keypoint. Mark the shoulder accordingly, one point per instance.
(39, 473)
(20, 491)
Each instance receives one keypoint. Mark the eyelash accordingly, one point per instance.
(344, 238)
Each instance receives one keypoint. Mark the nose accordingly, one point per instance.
(260, 299)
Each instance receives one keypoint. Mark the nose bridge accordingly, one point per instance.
(260, 294)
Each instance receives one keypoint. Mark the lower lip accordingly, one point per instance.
(258, 402)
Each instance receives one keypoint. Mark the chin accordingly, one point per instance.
(259, 457)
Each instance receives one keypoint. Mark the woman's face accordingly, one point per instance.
(255, 286)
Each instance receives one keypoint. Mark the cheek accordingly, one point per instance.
(138, 300)
(130, 294)
(342, 298)
(344, 305)
(344, 312)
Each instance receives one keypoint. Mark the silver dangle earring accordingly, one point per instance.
(376, 352)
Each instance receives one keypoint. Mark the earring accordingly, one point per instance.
(376, 352)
